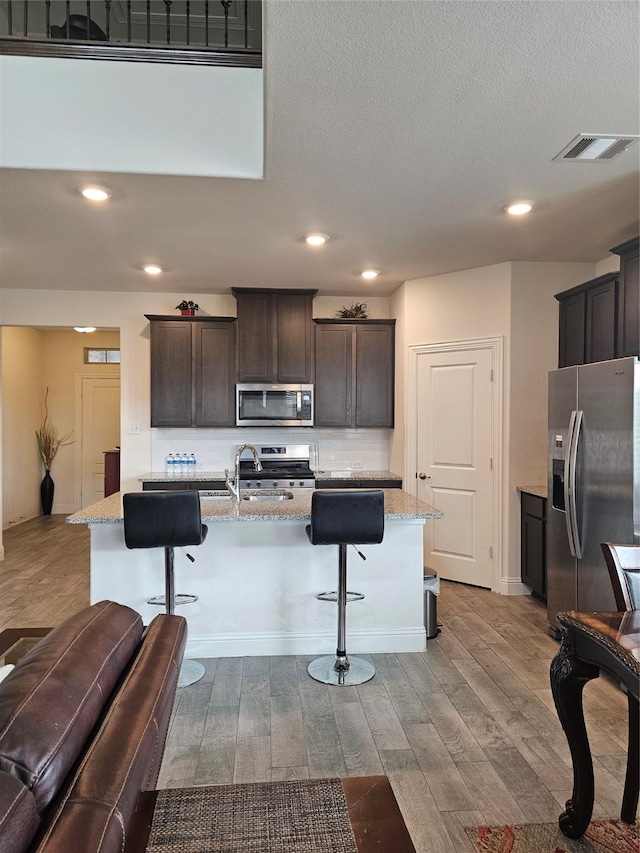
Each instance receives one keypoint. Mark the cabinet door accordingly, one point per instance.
(171, 374)
(600, 341)
(533, 554)
(629, 306)
(572, 330)
(334, 376)
(374, 375)
(257, 337)
(215, 361)
(295, 338)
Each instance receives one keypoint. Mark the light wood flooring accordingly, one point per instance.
(466, 730)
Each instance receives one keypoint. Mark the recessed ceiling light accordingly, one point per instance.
(95, 193)
(370, 273)
(316, 239)
(519, 208)
(152, 269)
(84, 329)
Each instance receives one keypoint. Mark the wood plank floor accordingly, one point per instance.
(466, 730)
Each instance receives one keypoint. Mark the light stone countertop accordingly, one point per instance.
(539, 490)
(398, 505)
(321, 476)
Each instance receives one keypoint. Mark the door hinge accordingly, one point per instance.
(491, 375)
(491, 463)
(491, 552)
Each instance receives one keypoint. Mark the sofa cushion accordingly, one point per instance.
(53, 698)
(125, 755)
(19, 817)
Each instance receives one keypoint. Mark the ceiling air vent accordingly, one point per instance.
(595, 146)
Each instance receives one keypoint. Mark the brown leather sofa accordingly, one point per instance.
(83, 724)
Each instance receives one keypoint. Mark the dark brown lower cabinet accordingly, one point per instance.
(111, 472)
(533, 544)
(354, 384)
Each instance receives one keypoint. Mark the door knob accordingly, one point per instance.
(423, 476)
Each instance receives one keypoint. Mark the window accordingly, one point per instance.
(101, 356)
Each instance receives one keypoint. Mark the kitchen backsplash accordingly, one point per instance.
(331, 450)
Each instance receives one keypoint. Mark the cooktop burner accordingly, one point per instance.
(283, 466)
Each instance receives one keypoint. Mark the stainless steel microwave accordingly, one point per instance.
(269, 404)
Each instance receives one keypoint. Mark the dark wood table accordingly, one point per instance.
(592, 642)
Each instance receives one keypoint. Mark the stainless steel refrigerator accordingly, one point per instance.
(594, 480)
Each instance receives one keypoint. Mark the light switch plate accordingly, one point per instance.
(356, 464)
(133, 428)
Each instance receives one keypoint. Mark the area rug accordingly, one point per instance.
(602, 836)
(308, 816)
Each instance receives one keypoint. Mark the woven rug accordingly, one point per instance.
(602, 836)
(307, 816)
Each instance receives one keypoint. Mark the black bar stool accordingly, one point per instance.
(344, 518)
(166, 520)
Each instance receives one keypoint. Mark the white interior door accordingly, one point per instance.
(100, 432)
(455, 468)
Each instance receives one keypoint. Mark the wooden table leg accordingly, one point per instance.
(632, 781)
(568, 677)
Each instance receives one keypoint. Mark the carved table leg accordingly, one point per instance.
(632, 783)
(568, 677)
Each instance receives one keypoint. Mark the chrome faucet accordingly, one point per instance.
(234, 486)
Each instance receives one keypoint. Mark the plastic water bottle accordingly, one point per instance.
(192, 466)
(169, 465)
(184, 465)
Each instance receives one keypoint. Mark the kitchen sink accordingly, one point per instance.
(268, 495)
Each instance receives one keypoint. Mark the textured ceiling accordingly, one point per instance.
(400, 129)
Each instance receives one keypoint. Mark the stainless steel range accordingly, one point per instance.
(284, 466)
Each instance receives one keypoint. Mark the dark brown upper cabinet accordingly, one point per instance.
(193, 363)
(275, 335)
(355, 366)
(628, 299)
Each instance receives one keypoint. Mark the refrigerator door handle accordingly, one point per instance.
(572, 511)
(567, 486)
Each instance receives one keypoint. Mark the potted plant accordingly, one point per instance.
(188, 307)
(49, 442)
(355, 311)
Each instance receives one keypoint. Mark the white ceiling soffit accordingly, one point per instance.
(591, 147)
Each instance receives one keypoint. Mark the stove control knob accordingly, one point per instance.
(275, 484)
(302, 482)
(258, 484)
(291, 483)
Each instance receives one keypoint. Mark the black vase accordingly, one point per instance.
(46, 493)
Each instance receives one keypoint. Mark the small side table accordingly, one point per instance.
(591, 642)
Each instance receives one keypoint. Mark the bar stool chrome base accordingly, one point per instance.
(190, 672)
(329, 669)
(161, 600)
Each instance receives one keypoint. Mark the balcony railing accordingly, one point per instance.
(204, 32)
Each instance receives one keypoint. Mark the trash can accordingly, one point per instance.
(431, 591)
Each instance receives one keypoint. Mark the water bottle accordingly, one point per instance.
(168, 465)
(184, 465)
(192, 466)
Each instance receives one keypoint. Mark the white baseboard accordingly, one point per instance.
(513, 586)
(320, 643)
(1, 552)
(21, 516)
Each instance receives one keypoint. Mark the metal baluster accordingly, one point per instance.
(107, 6)
(148, 21)
(129, 21)
(225, 6)
(167, 4)
(246, 24)
(188, 22)
(68, 5)
(88, 19)
(206, 23)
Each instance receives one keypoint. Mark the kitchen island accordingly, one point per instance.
(257, 576)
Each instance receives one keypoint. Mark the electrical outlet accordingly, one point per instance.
(356, 464)
(133, 428)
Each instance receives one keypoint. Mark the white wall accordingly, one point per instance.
(22, 470)
(138, 117)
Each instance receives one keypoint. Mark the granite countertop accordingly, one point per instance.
(537, 489)
(356, 474)
(398, 504)
(321, 476)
